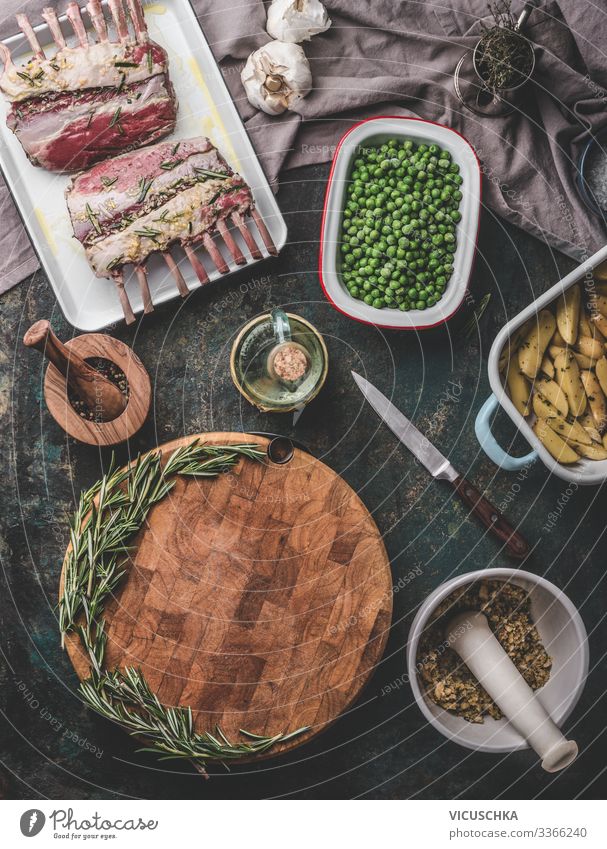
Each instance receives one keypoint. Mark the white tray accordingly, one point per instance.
(205, 108)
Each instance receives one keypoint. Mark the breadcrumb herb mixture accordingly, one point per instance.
(447, 680)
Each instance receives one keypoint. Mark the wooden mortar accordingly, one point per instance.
(67, 367)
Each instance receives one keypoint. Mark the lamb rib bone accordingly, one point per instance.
(146, 296)
(120, 21)
(174, 269)
(49, 15)
(95, 10)
(125, 209)
(28, 32)
(75, 19)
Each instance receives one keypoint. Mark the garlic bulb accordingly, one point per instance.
(297, 20)
(276, 77)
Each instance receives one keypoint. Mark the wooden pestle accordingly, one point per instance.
(99, 393)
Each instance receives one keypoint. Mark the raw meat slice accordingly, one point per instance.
(93, 100)
(145, 201)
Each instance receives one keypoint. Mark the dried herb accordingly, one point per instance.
(93, 219)
(148, 233)
(150, 61)
(124, 64)
(115, 263)
(109, 514)
(108, 181)
(169, 164)
(144, 187)
(116, 116)
(205, 172)
(447, 680)
(504, 57)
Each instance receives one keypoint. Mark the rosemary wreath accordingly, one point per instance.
(108, 515)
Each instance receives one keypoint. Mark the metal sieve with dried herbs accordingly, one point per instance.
(447, 680)
(503, 57)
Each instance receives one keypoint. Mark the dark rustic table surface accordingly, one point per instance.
(52, 746)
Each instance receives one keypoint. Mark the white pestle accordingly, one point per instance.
(471, 637)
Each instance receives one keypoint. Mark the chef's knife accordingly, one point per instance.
(440, 467)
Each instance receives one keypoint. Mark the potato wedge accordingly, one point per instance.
(601, 288)
(605, 440)
(568, 314)
(557, 339)
(510, 349)
(542, 408)
(553, 443)
(584, 326)
(599, 302)
(533, 346)
(600, 272)
(589, 426)
(601, 373)
(547, 367)
(519, 388)
(589, 328)
(591, 348)
(595, 451)
(551, 391)
(582, 360)
(569, 430)
(596, 398)
(568, 378)
(600, 321)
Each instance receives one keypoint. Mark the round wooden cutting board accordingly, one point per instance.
(261, 598)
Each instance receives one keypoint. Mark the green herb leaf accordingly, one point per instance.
(144, 187)
(93, 219)
(204, 172)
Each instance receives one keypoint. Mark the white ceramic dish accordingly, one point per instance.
(563, 635)
(377, 131)
(585, 471)
(205, 108)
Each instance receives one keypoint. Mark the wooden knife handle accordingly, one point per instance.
(491, 517)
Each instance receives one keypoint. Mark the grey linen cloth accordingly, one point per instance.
(385, 57)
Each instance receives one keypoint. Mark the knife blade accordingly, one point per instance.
(441, 468)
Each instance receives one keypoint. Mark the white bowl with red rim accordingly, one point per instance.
(375, 131)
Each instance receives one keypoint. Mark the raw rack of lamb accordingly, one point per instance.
(145, 201)
(93, 100)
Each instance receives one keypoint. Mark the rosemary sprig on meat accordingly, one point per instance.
(93, 219)
(144, 187)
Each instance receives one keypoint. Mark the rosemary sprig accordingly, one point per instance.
(115, 263)
(169, 164)
(205, 172)
(148, 233)
(108, 181)
(116, 116)
(109, 514)
(150, 61)
(144, 187)
(124, 64)
(93, 219)
(472, 324)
